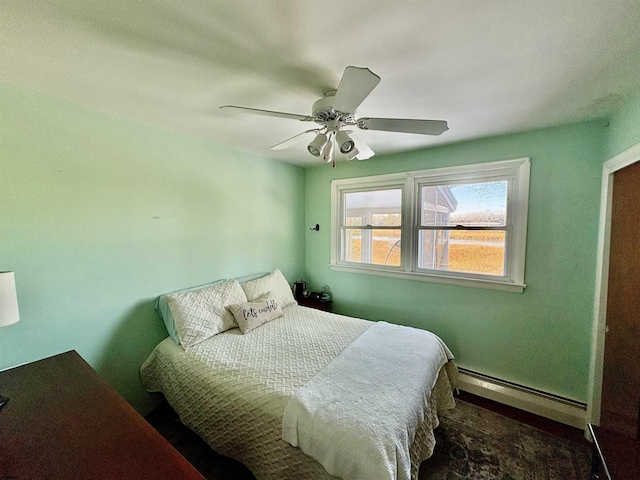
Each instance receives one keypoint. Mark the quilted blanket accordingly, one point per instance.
(358, 417)
(232, 389)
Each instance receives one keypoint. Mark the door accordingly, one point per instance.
(620, 409)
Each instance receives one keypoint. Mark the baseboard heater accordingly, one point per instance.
(554, 407)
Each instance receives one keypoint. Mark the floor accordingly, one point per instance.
(541, 423)
(214, 466)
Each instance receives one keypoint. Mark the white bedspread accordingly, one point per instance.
(232, 389)
(353, 433)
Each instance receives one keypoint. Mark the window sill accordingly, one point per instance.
(447, 280)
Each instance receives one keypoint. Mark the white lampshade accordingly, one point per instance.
(8, 299)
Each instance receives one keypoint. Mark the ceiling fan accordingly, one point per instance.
(336, 114)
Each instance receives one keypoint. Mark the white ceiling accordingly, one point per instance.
(487, 67)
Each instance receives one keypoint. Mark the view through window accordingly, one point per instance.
(372, 226)
(463, 228)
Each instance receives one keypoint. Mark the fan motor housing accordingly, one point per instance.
(323, 112)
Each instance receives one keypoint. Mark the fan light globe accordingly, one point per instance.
(327, 152)
(352, 154)
(345, 142)
(318, 143)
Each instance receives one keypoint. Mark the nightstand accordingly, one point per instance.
(313, 303)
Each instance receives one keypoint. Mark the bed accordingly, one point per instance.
(236, 387)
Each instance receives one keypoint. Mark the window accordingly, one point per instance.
(463, 225)
(372, 226)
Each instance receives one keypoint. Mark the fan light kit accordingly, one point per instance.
(337, 110)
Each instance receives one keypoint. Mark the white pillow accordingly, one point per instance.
(200, 314)
(250, 315)
(165, 312)
(274, 284)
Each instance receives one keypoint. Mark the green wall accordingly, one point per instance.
(100, 215)
(624, 127)
(539, 338)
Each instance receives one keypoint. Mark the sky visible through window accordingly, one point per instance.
(480, 197)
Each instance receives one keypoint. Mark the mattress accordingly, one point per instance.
(232, 389)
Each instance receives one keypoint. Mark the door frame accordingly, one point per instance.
(596, 367)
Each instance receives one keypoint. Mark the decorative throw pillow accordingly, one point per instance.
(250, 315)
(273, 283)
(200, 314)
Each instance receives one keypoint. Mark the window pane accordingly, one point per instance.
(375, 208)
(376, 247)
(474, 204)
(351, 244)
(471, 251)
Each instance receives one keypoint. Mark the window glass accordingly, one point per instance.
(479, 206)
(373, 208)
(377, 247)
(470, 251)
(473, 204)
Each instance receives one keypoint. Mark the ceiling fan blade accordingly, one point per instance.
(293, 140)
(424, 127)
(355, 85)
(364, 151)
(269, 113)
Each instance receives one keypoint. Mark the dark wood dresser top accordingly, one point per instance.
(64, 422)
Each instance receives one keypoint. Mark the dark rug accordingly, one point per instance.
(472, 443)
(476, 443)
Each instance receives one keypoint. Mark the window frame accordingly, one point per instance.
(516, 172)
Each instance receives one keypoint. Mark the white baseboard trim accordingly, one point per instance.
(550, 406)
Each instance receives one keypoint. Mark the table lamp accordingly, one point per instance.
(8, 308)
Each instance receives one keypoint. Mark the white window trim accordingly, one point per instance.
(517, 198)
